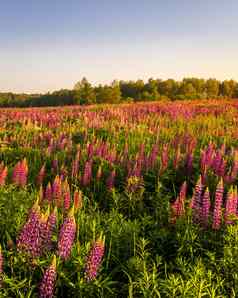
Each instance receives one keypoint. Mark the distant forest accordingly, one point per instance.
(85, 93)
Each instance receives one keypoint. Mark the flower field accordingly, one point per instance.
(133, 200)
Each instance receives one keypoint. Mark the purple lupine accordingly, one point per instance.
(87, 175)
(29, 239)
(44, 230)
(3, 175)
(217, 214)
(231, 206)
(47, 284)
(51, 224)
(67, 235)
(206, 204)
(94, 259)
(197, 203)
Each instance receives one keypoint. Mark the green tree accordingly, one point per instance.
(84, 92)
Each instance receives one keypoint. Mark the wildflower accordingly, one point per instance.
(41, 176)
(231, 205)
(29, 238)
(197, 200)
(57, 191)
(66, 195)
(48, 192)
(67, 235)
(3, 175)
(177, 207)
(94, 259)
(87, 175)
(111, 180)
(205, 207)
(217, 208)
(48, 282)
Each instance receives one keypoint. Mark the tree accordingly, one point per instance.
(84, 92)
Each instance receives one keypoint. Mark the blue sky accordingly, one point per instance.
(47, 45)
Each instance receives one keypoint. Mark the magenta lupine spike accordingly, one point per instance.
(23, 173)
(66, 236)
(47, 284)
(48, 192)
(57, 191)
(164, 159)
(177, 208)
(177, 158)
(203, 161)
(217, 213)
(51, 224)
(231, 206)
(234, 171)
(66, 195)
(41, 176)
(94, 259)
(206, 205)
(55, 165)
(87, 175)
(111, 180)
(197, 203)
(43, 230)
(29, 239)
(3, 176)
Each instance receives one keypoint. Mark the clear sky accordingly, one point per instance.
(48, 44)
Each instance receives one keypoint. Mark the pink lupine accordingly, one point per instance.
(206, 204)
(48, 192)
(66, 236)
(57, 191)
(29, 239)
(217, 214)
(177, 208)
(3, 175)
(197, 203)
(231, 206)
(66, 195)
(47, 284)
(94, 259)
(20, 173)
(87, 175)
(41, 176)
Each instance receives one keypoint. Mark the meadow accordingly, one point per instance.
(130, 200)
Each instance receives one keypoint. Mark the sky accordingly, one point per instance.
(48, 45)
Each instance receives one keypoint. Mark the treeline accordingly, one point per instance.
(85, 93)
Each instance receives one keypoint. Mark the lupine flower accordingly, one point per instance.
(99, 173)
(94, 259)
(29, 239)
(217, 214)
(51, 224)
(3, 175)
(206, 204)
(67, 235)
(20, 173)
(41, 175)
(47, 284)
(66, 195)
(78, 203)
(231, 206)
(57, 191)
(87, 175)
(44, 230)
(177, 208)
(48, 192)
(197, 203)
